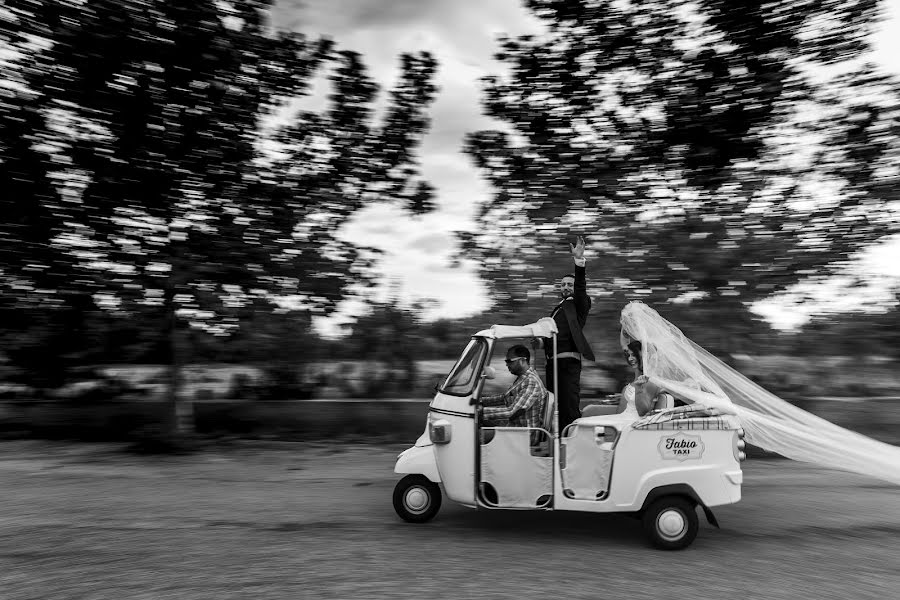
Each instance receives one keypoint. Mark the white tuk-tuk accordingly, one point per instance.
(660, 471)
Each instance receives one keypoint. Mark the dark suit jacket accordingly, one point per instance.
(570, 316)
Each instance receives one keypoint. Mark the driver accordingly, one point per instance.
(522, 405)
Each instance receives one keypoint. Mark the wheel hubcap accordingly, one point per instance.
(417, 500)
(671, 524)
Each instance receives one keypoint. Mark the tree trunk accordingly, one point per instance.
(180, 410)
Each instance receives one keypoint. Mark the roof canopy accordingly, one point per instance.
(544, 327)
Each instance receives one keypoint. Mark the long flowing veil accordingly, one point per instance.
(687, 371)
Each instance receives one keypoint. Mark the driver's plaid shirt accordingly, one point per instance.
(522, 405)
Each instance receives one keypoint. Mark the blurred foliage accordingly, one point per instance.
(167, 199)
(388, 338)
(850, 334)
(707, 151)
(142, 180)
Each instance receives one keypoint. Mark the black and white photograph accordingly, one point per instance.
(488, 299)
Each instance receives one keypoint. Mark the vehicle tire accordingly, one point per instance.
(417, 499)
(671, 522)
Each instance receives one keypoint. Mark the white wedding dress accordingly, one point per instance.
(690, 373)
(630, 405)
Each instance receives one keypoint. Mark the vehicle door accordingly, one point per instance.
(453, 413)
(515, 464)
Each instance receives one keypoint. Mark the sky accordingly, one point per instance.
(462, 36)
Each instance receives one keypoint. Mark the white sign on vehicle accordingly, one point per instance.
(680, 446)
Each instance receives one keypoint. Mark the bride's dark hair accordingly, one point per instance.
(636, 347)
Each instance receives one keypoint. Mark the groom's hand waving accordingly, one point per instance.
(578, 248)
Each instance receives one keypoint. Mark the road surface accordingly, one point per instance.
(315, 521)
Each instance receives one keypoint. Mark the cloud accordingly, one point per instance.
(467, 26)
(374, 13)
(432, 243)
(886, 41)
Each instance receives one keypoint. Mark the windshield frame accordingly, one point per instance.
(477, 349)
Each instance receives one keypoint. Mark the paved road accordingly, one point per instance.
(308, 521)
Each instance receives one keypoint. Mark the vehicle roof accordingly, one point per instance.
(543, 327)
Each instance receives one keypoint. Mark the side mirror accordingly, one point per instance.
(489, 372)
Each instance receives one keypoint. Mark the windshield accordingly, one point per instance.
(463, 375)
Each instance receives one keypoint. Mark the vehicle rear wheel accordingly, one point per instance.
(417, 499)
(671, 522)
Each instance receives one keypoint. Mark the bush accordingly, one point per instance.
(284, 382)
(204, 395)
(98, 390)
(242, 387)
(18, 391)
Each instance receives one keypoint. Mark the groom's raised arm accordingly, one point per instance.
(582, 300)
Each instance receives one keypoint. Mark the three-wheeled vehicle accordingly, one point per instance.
(660, 471)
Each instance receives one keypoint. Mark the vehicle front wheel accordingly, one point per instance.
(417, 499)
(671, 523)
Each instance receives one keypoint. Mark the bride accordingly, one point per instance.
(671, 363)
(640, 396)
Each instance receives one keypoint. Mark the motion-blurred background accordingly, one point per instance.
(214, 212)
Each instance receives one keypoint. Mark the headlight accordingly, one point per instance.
(439, 431)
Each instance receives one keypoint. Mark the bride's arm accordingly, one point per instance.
(690, 392)
(643, 403)
(645, 393)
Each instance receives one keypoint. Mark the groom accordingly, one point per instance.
(572, 347)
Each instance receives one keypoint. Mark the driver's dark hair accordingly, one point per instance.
(520, 351)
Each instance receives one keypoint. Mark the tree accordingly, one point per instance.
(693, 147)
(388, 334)
(155, 182)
